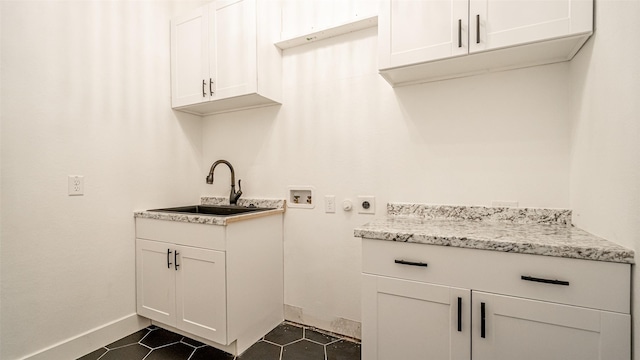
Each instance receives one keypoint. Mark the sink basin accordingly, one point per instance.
(214, 210)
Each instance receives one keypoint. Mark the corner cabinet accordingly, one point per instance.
(422, 41)
(222, 285)
(434, 302)
(223, 57)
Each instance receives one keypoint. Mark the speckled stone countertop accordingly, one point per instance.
(529, 231)
(277, 205)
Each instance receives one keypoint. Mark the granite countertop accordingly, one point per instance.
(277, 206)
(529, 231)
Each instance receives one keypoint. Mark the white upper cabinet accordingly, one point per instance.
(232, 49)
(497, 24)
(189, 58)
(416, 31)
(223, 57)
(428, 40)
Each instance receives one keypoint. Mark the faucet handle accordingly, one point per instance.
(239, 193)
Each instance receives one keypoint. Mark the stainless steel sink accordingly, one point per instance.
(214, 210)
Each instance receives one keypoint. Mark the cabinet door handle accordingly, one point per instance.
(211, 86)
(175, 259)
(169, 258)
(478, 29)
(459, 314)
(459, 33)
(412, 263)
(204, 94)
(546, 281)
(483, 321)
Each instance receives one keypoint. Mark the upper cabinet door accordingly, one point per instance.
(189, 58)
(232, 48)
(418, 31)
(500, 23)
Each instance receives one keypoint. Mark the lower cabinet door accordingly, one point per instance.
(201, 293)
(506, 328)
(410, 320)
(155, 281)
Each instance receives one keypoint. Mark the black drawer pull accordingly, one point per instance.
(412, 263)
(483, 321)
(477, 29)
(459, 314)
(169, 261)
(459, 33)
(546, 281)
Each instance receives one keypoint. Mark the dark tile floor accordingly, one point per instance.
(286, 342)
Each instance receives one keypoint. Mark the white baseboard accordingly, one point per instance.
(346, 327)
(91, 340)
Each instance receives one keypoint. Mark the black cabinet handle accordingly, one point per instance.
(211, 86)
(546, 281)
(204, 94)
(459, 314)
(169, 258)
(459, 33)
(412, 263)
(175, 259)
(478, 29)
(483, 321)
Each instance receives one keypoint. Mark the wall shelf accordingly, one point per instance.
(340, 29)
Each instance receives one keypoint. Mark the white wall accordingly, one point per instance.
(344, 130)
(605, 133)
(85, 91)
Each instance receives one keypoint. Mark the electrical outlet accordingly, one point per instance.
(330, 203)
(366, 204)
(76, 185)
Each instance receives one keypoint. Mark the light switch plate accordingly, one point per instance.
(330, 204)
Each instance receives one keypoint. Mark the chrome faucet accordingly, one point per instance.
(233, 196)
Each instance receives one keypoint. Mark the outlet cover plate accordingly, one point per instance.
(366, 204)
(75, 185)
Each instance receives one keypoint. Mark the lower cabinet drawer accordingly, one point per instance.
(591, 284)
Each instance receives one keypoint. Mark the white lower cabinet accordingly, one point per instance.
(221, 285)
(525, 329)
(434, 302)
(183, 286)
(405, 319)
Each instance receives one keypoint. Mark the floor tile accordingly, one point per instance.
(209, 353)
(130, 352)
(262, 351)
(318, 337)
(94, 355)
(284, 334)
(129, 340)
(192, 342)
(177, 351)
(298, 343)
(343, 350)
(303, 350)
(160, 337)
